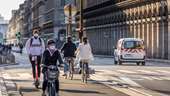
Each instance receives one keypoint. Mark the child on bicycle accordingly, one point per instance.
(50, 57)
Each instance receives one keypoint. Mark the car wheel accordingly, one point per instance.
(143, 63)
(138, 63)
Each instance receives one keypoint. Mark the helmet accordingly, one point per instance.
(50, 41)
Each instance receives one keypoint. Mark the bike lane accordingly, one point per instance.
(23, 80)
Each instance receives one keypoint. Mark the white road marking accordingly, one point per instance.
(163, 71)
(126, 71)
(156, 78)
(148, 72)
(123, 90)
(148, 78)
(25, 75)
(129, 81)
(165, 78)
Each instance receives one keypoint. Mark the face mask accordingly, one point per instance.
(52, 47)
(36, 35)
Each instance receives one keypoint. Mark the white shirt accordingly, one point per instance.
(85, 52)
(35, 50)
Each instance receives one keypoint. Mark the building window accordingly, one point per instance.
(62, 2)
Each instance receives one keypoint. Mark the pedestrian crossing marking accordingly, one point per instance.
(126, 71)
(156, 78)
(163, 71)
(165, 78)
(25, 75)
(148, 72)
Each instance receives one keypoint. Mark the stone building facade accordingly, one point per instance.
(48, 16)
(110, 20)
(44, 15)
(3, 28)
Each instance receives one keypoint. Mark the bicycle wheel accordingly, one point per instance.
(83, 73)
(86, 74)
(51, 90)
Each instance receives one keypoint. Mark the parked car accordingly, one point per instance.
(130, 50)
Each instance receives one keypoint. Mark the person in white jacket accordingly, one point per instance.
(35, 47)
(84, 53)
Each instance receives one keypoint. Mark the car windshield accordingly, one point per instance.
(133, 44)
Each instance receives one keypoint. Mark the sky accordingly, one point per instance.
(6, 6)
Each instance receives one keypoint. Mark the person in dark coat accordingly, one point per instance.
(69, 50)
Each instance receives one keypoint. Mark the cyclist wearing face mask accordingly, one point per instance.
(68, 49)
(50, 57)
(35, 47)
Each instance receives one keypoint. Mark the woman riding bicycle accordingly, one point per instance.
(84, 53)
(50, 57)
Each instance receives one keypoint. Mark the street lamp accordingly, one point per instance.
(81, 21)
(70, 11)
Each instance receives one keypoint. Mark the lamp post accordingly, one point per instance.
(81, 21)
(70, 11)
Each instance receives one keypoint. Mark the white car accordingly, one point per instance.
(130, 50)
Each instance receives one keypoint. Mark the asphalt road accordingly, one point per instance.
(130, 79)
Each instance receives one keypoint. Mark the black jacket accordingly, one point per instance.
(52, 60)
(69, 49)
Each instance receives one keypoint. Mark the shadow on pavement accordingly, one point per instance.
(81, 91)
(17, 80)
(28, 89)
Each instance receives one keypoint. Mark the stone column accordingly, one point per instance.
(168, 4)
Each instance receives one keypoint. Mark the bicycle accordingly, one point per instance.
(52, 75)
(85, 69)
(70, 61)
(36, 83)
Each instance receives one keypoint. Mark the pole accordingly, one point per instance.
(70, 21)
(81, 21)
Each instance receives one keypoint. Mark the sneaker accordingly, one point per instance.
(64, 74)
(34, 82)
(79, 71)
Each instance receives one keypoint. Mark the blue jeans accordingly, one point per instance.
(66, 67)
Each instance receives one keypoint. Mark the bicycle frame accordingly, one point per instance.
(71, 68)
(51, 76)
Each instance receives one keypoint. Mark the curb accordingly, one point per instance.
(158, 60)
(3, 90)
(104, 56)
(11, 88)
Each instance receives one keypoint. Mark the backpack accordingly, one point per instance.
(32, 41)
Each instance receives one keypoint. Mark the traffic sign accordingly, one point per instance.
(70, 7)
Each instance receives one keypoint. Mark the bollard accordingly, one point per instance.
(12, 58)
(0, 59)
